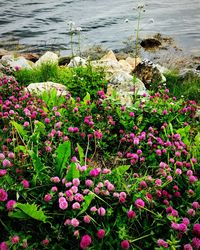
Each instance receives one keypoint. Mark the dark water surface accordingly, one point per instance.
(43, 23)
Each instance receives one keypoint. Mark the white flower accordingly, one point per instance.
(78, 29)
(71, 23)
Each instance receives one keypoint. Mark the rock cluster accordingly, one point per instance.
(128, 77)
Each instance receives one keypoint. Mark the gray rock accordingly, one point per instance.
(77, 62)
(149, 73)
(39, 88)
(19, 62)
(48, 57)
(187, 73)
(126, 86)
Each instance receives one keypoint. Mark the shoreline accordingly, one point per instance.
(169, 54)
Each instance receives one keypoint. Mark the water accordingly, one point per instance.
(42, 23)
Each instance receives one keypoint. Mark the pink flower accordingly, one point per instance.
(25, 183)
(164, 112)
(196, 243)
(178, 171)
(76, 233)
(76, 182)
(191, 212)
(54, 189)
(89, 183)
(10, 205)
(74, 222)
(123, 195)
(125, 244)
(4, 246)
(78, 197)
(139, 203)
(162, 243)
(2, 156)
(45, 242)
(55, 179)
(87, 219)
(70, 129)
(110, 187)
(2, 172)
(15, 239)
(93, 209)
(187, 247)
(47, 197)
(101, 211)
(186, 221)
(76, 206)
(196, 230)
(192, 178)
(63, 204)
(11, 155)
(195, 205)
(6, 163)
(3, 195)
(158, 152)
(94, 172)
(98, 134)
(131, 214)
(106, 171)
(158, 182)
(85, 241)
(101, 233)
(74, 189)
(67, 222)
(182, 228)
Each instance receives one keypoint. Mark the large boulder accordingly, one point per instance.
(126, 87)
(110, 56)
(16, 63)
(48, 57)
(31, 57)
(3, 52)
(77, 62)
(39, 88)
(149, 73)
(150, 43)
(133, 61)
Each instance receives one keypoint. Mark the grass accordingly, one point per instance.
(189, 86)
(78, 80)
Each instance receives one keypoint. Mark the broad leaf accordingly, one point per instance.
(30, 210)
(63, 153)
(20, 130)
(81, 153)
(38, 165)
(120, 170)
(73, 172)
(88, 199)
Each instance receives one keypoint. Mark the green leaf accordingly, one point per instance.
(30, 211)
(184, 133)
(20, 148)
(20, 130)
(38, 166)
(197, 139)
(63, 153)
(171, 128)
(120, 170)
(38, 129)
(73, 172)
(81, 153)
(18, 215)
(86, 98)
(88, 199)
